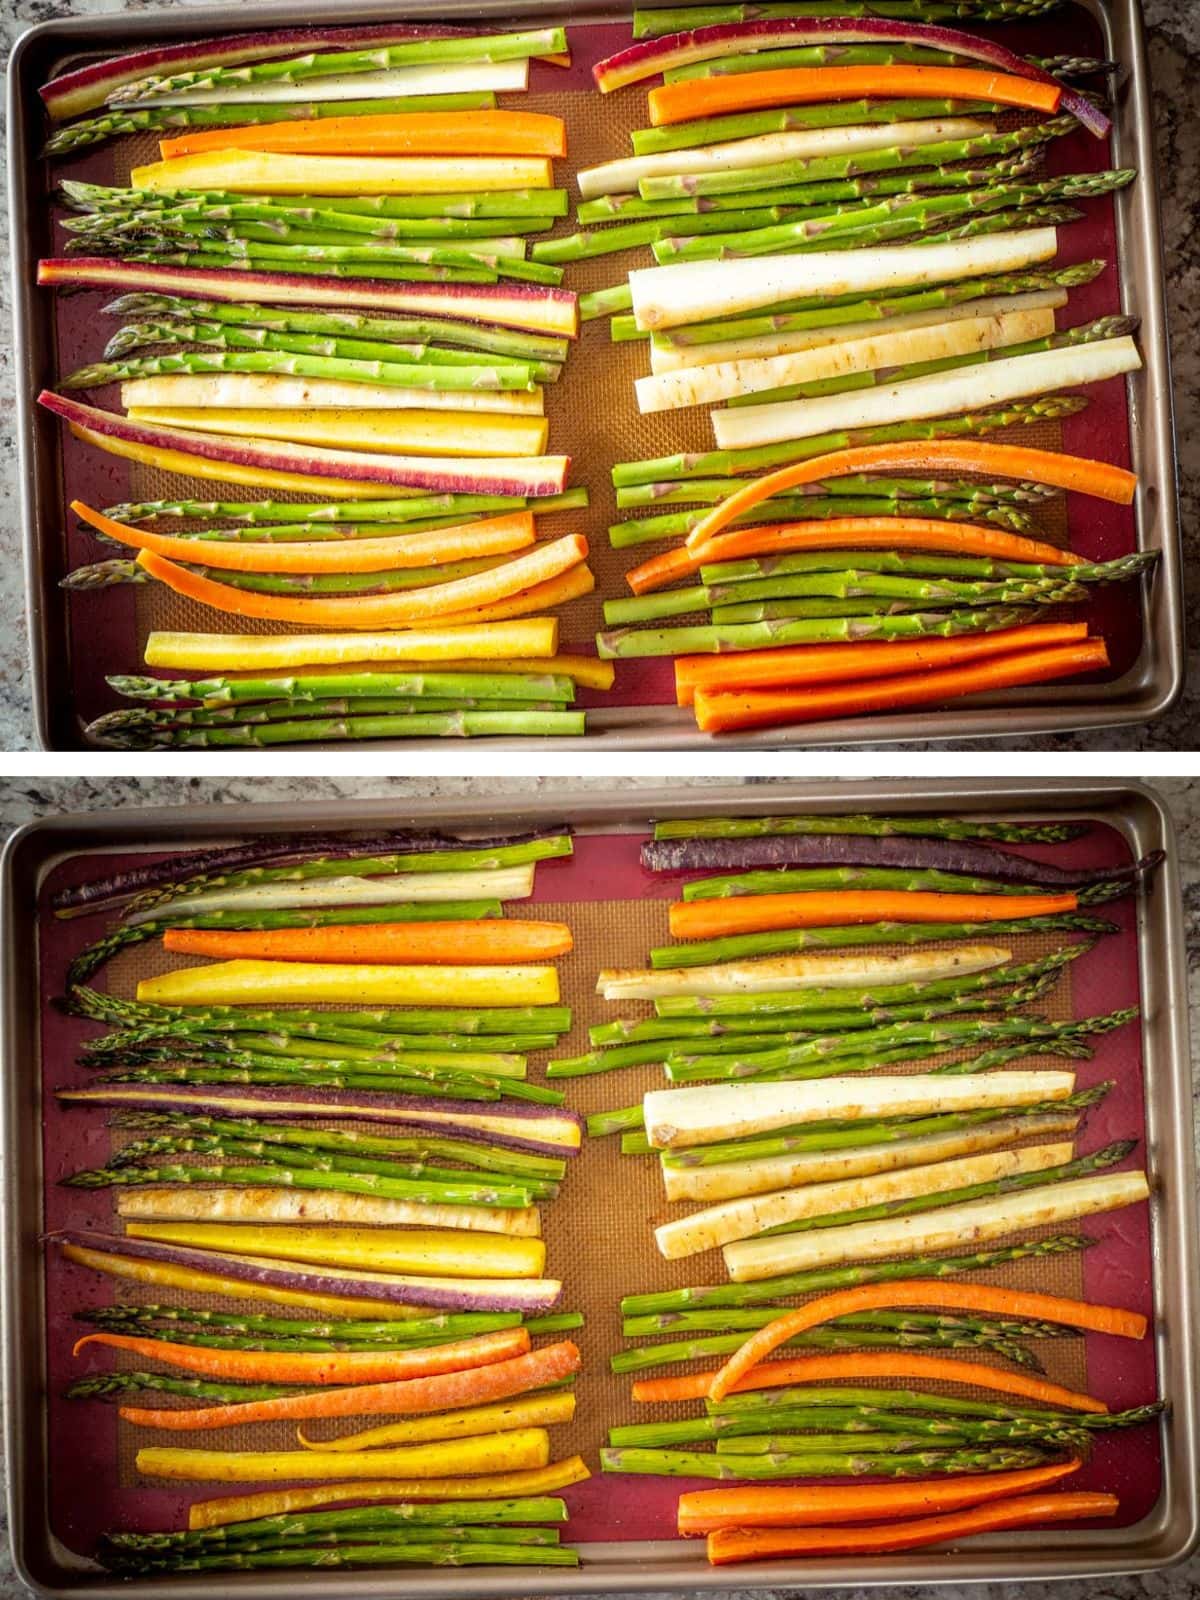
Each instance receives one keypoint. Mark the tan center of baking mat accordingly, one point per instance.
(592, 411)
(599, 1231)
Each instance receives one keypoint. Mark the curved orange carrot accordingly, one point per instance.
(356, 1366)
(464, 542)
(766, 1506)
(827, 663)
(842, 533)
(446, 1391)
(869, 1364)
(1059, 471)
(729, 1545)
(710, 97)
(439, 943)
(931, 1294)
(414, 133)
(718, 713)
(759, 913)
(373, 611)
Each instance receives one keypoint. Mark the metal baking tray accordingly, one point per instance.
(1164, 1534)
(66, 650)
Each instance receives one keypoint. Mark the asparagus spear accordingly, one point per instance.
(410, 1330)
(667, 1351)
(783, 508)
(394, 374)
(339, 64)
(767, 1290)
(229, 691)
(650, 21)
(110, 124)
(735, 1321)
(833, 1464)
(701, 952)
(783, 119)
(290, 1077)
(257, 514)
(220, 259)
(533, 1542)
(864, 55)
(96, 198)
(629, 643)
(284, 1175)
(377, 1552)
(348, 1043)
(732, 463)
(117, 1385)
(786, 880)
(282, 213)
(439, 725)
(631, 235)
(707, 491)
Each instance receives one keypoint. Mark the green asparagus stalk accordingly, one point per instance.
(259, 514)
(291, 1077)
(783, 119)
(703, 951)
(767, 1290)
(130, 1044)
(532, 1541)
(284, 1175)
(834, 1464)
(824, 168)
(648, 1356)
(486, 1552)
(439, 725)
(789, 880)
(349, 324)
(111, 124)
(933, 592)
(122, 202)
(281, 214)
(229, 691)
(629, 643)
(783, 508)
(650, 21)
(748, 1320)
(865, 55)
(392, 374)
(117, 1385)
(219, 258)
(631, 235)
(341, 63)
(708, 491)
(126, 1315)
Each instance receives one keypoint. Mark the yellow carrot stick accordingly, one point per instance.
(539, 1410)
(226, 1509)
(253, 172)
(441, 1252)
(570, 585)
(396, 432)
(497, 1452)
(268, 983)
(505, 646)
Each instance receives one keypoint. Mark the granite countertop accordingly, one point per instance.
(23, 800)
(1174, 45)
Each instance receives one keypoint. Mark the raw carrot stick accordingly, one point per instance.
(866, 1364)
(758, 913)
(464, 542)
(415, 133)
(718, 713)
(711, 97)
(729, 1545)
(356, 1366)
(570, 585)
(437, 943)
(829, 663)
(1059, 471)
(540, 565)
(842, 533)
(931, 1295)
(230, 1508)
(444, 1391)
(767, 1506)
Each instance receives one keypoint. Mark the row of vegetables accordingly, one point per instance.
(341, 287)
(332, 1126)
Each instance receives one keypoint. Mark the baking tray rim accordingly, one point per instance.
(1144, 694)
(1166, 1536)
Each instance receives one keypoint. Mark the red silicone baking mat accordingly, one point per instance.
(592, 410)
(599, 1231)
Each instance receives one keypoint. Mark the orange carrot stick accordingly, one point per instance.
(929, 1294)
(355, 1366)
(464, 542)
(765, 708)
(869, 1364)
(766, 1506)
(842, 533)
(438, 943)
(414, 133)
(447, 1391)
(759, 913)
(729, 1545)
(1059, 471)
(827, 663)
(541, 564)
(747, 91)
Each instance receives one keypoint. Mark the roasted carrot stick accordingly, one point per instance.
(867, 1364)
(829, 663)
(265, 1366)
(540, 565)
(842, 533)
(438, 943)
(729, 1545)
(1059, 471)
(415, 133)
(444, 1391)
(711, 97)
(927, 1293)
(464, 542)
(758, 913)
(718, 713)
(766, 1506)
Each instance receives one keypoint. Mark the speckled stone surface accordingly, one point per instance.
(23, 800)
(1174, 37)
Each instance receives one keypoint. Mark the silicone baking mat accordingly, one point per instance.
(599, 1230)
(593, 415)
